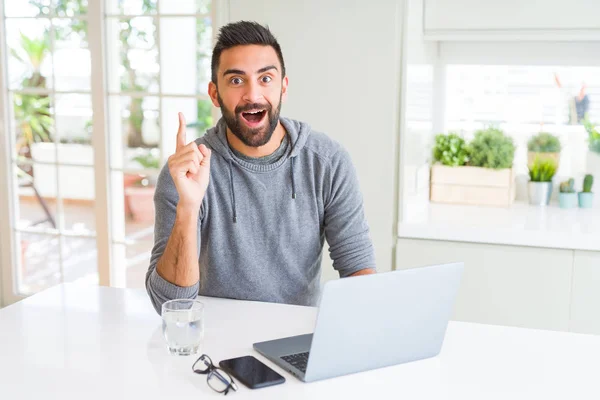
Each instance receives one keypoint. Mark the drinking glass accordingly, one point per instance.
(183, 326)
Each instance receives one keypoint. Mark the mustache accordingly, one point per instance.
(240, 109)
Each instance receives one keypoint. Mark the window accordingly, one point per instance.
(156, 63)
(524, 100)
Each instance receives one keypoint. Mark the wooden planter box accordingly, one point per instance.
(472, 185)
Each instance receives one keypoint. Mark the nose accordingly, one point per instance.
(253, 93)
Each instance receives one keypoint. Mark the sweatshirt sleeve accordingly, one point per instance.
(165, 206)
(346, 228)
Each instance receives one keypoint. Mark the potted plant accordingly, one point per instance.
(543, 145)
(567, 197)
(586, 197)
(139, 194)
(478, 173)
(592, 162)
(450, 150)
(539, 187)
(491, 148)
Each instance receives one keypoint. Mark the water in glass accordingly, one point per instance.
(183, 326)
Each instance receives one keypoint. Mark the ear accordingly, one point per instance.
(284, 86)
(213, 93)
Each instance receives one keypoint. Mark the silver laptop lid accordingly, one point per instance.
(384, 319)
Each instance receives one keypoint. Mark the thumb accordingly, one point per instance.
(206, 153)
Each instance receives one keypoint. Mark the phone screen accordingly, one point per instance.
(251, 372)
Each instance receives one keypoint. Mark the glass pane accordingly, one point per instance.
(34, 126)
(36, 206)
(198, 116)
(80, 260)
(131, 7)
(140, 239)
(171, 106)
(132, 55)
(185, 6)
(185, 67)
(40, 262)
(74, 126)
(32, 8)
(72, 63)
(66, 8)
(30, 58)
(134, 132)
(77, 194)
(204, 33)
(133, 228)
(16, 8)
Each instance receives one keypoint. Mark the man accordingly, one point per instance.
(277, 190)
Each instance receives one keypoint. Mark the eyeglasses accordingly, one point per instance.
(218, 380)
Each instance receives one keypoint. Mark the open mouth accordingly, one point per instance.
(254, 117)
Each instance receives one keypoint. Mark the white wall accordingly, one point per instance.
(1, 268)
(516, 19)
(342, 59)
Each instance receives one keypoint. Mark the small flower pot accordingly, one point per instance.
(586, 199)
(539, 193)
(567, 200)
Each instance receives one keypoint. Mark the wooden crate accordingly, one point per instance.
(472, 185)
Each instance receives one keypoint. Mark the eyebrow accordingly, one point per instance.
(240, 72)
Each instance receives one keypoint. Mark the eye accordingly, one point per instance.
(236, 80)
(266, 79)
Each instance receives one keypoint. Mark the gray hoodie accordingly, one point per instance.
(261, 228)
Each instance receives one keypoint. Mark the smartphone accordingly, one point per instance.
(251, 372)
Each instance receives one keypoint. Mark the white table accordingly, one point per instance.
(87, 342)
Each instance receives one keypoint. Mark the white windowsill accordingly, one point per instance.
(519, 225)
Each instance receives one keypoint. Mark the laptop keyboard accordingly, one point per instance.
(299, 360)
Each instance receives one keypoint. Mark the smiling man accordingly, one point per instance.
(243, 212)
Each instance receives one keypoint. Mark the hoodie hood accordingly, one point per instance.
(216, 139)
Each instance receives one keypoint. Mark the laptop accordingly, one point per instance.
(372, 321)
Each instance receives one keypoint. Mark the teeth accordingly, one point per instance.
(254, 112)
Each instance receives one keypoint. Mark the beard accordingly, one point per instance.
(252, 137)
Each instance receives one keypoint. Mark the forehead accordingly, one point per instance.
(248, 58)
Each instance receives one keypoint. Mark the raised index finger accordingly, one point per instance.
(181, 133)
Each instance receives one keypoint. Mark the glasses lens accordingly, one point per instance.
(203, 364)
(219, 380)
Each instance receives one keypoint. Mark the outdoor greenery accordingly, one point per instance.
(593, 135)
(544, 142)
(542, 170)
(34, 113)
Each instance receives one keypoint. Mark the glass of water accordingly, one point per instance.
(183, 326)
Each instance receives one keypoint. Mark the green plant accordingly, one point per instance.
(491, 148)
(542, 170)
(593, 135)
(567, 186)
(147, 161)
(588, 181)
(544, 142)
(32, 52)
(450, 149)
(34, 120)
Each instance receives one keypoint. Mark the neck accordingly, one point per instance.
(261, 151)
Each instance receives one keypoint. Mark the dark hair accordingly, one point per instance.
(243, 33)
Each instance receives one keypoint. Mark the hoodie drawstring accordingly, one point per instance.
(232, 191)
(293, 182)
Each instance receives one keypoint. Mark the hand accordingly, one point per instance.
(190, 169)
